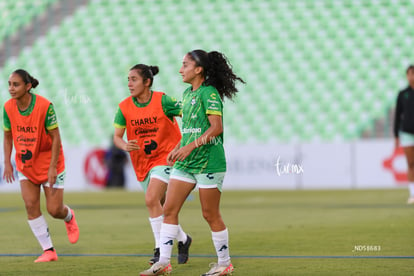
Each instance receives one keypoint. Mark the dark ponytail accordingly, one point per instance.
(217, 72)
(146, 72)
(27, 78)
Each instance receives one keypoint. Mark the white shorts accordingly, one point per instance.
(406, 139)
(203, 180)
(159, 172)
(60, 180)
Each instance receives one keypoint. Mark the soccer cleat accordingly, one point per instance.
(410, 200)
(183, 250)
(218, 270)
(157, 269)
(156, 257)
(47, 256)
(72, 229)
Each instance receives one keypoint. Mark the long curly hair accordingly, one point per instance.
(217, 72)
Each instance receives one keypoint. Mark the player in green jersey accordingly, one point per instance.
(199, 159)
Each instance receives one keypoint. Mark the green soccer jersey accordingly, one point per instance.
(197, 105)
(50, 120)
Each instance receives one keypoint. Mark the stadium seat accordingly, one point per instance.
(12, 17)
(312, 67)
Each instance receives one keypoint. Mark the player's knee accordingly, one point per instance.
(32, 207)
(170, 214)
(211, 216)
(55, 211)
(208, 217)
(152, 201)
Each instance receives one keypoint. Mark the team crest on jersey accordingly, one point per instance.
(193, 101)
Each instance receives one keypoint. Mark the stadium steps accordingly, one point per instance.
(314, 73)
(48, 13)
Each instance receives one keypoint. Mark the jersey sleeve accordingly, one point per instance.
(212, 102)
(51, 119)
(119, 121)
(6, 120)
(171, 106)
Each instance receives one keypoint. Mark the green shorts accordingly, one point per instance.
(60, 180)
(203, 180)
(159, 172)
(406, 139)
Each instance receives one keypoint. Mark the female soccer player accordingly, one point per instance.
(404, 127)
(152, 133)
(200, 159)
(30, 123)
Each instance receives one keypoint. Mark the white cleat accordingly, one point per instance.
(157, 269)
(218, 270)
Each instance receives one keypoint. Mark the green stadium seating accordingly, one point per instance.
(315, 70)
(17, 13)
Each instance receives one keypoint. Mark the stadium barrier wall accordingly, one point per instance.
(352, 165)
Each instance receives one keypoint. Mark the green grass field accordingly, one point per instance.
(353, 232)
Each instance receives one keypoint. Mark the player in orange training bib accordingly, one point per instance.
(147, 117)
(30, 123)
